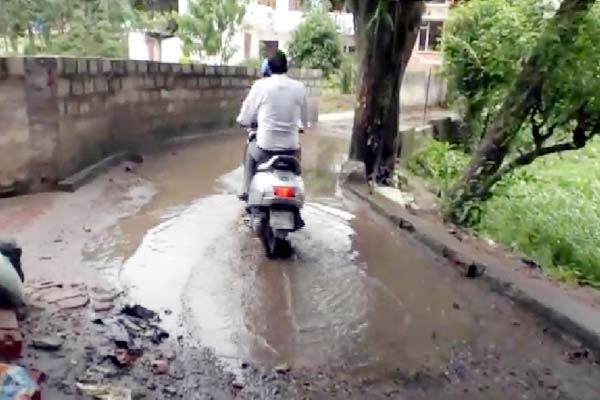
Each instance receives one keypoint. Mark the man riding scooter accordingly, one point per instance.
(276, 104)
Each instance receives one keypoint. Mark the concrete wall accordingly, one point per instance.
(414, 92)
(59, 115)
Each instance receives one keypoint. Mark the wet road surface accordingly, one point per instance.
(360, 310)
(357, 297)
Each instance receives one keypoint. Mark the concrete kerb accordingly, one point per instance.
(77, 180)
(86, 175)
(575, 319)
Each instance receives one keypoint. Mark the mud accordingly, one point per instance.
(359, 310)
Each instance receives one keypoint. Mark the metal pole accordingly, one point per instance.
(427, 97)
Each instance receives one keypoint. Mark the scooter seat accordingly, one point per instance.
(282, 163)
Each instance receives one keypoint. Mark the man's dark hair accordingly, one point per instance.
(278, 63)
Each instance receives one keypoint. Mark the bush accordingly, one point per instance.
(253, 62)
(439, 162)
(549, 211)
(316, 44)
(343, 80)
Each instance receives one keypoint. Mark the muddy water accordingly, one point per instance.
(357, 296)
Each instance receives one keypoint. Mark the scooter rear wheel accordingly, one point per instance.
(272, 243)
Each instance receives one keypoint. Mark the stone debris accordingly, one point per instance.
(282, 369)
(160, 367)
(46, 343)
(138, 311)
(104, 392)
(48, 294)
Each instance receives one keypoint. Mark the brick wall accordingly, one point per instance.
(58, 115)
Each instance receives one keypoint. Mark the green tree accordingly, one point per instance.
(209, 27)
(553, 99)
(73, 27)
(386, 31)
(316, 43)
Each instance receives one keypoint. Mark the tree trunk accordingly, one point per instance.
(384, 49)
(480, 176)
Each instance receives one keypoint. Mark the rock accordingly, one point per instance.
(160, 367)
(102, 306)
(170, 391)
(158, 335)
(104, 392)
(138, 311)
(57, 294)
(72, 303)
(236, 384)
(123, 358)
(46, 343)
(282, 369)
(406, 225)
(474, 271)
(46, 285)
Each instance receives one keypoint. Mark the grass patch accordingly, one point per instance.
(549, 211)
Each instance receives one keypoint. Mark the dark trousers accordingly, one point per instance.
(256, 156)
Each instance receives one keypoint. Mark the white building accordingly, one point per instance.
(268, 25)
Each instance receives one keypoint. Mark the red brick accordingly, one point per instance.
(11, 344)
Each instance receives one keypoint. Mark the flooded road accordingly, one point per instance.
(358, 297)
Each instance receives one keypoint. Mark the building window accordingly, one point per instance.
(268, 3)
(349, 49)
(430, 36)
(295, 5)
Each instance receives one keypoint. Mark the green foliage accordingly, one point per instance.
(209, 27)
(69, 27)
(316, 44)
(549, 210)
(441, 163)
(485, 45)
(343, 80)
(251, 63)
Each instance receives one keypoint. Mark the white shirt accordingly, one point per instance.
(278, 104)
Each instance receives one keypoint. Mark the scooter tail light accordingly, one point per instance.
(284, 192)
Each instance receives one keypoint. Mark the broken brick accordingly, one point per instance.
(160, 367)
(74, 302)
(11, 344)
(102, 306)
(62, 294)
(8, 319)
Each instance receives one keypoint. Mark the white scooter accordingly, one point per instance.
(275, 198)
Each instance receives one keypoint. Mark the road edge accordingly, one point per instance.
(72, 183)
(550, 303)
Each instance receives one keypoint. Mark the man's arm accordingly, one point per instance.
(249, 111)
